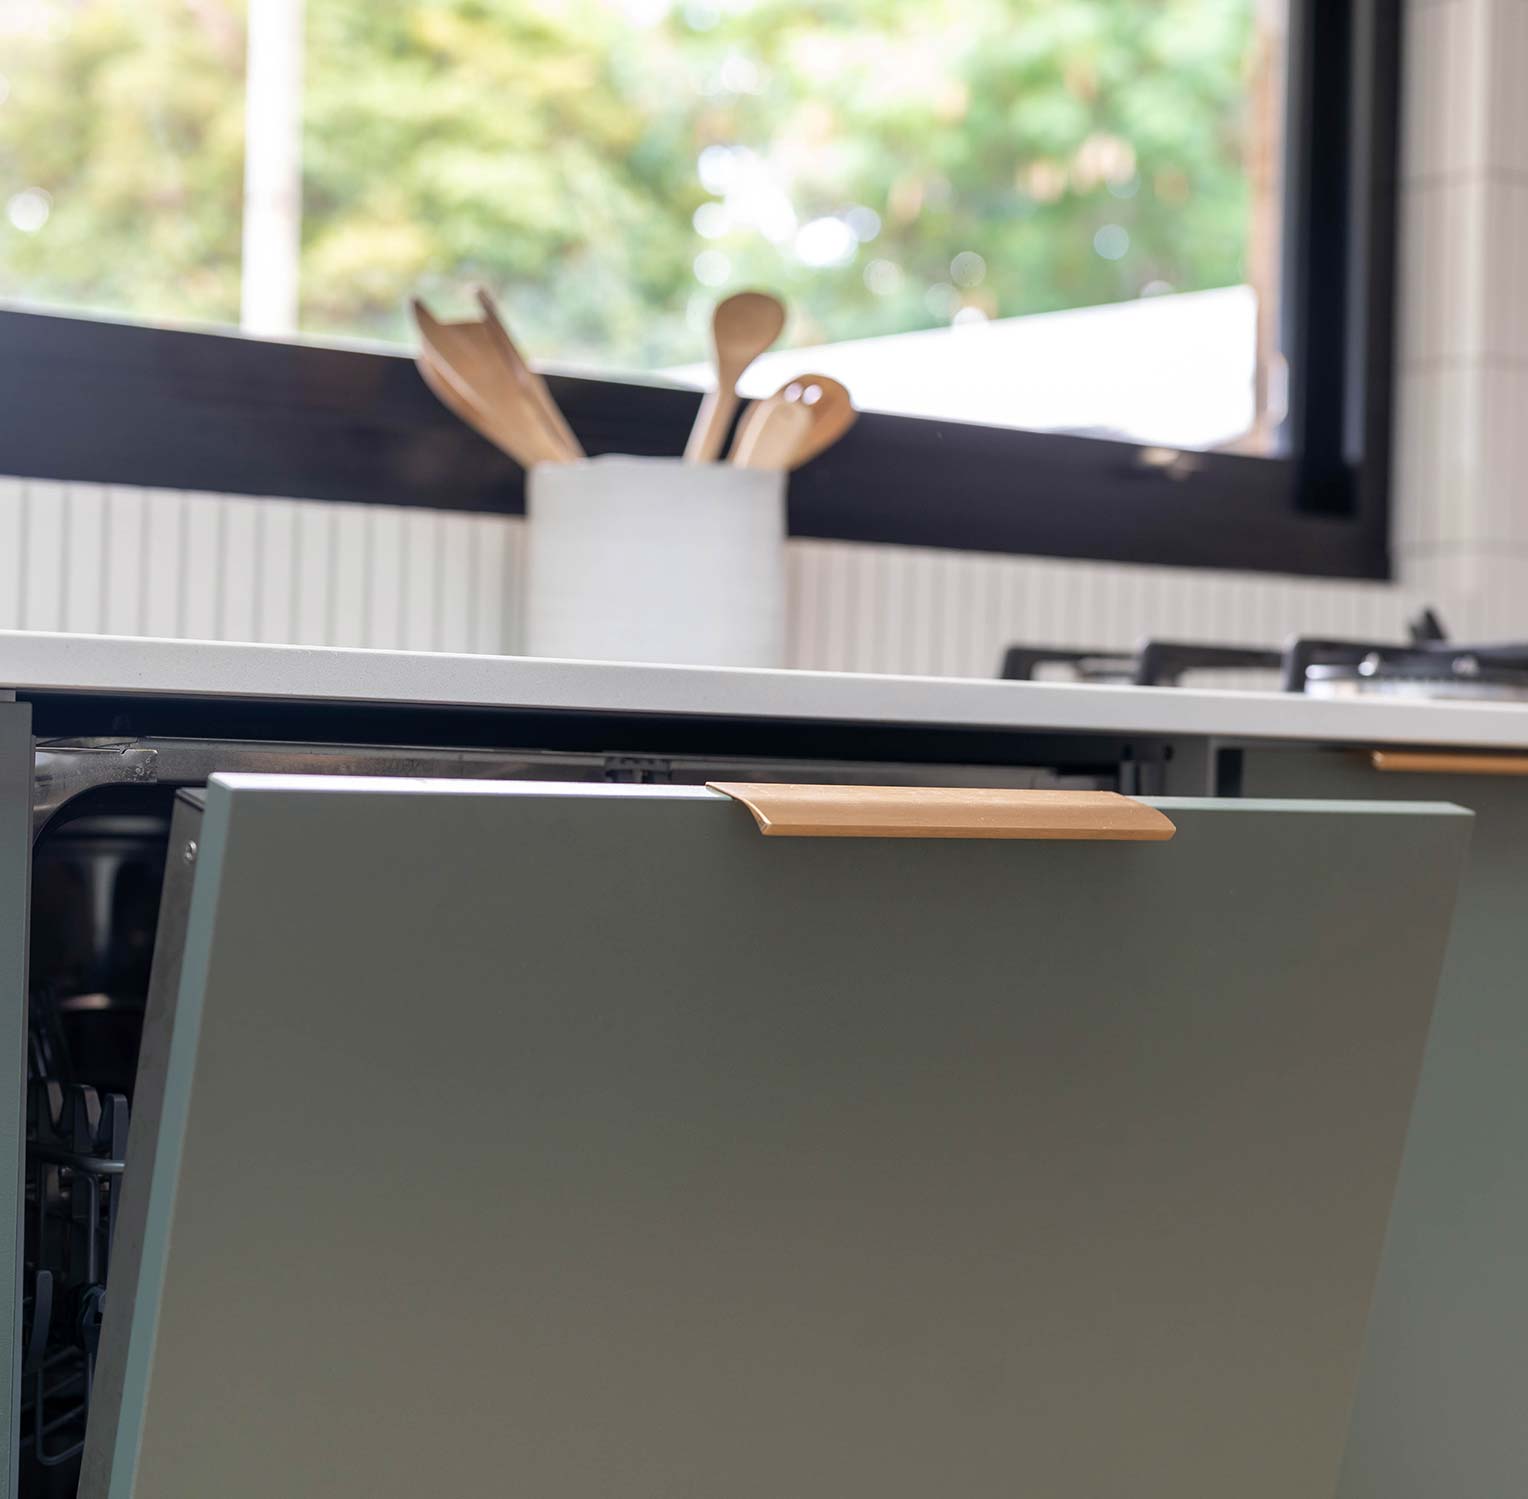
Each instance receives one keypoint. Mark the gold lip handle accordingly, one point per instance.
(789, 811)
(1439, 762)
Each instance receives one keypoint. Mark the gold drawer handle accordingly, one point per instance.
(1430, 762)
(945, 812)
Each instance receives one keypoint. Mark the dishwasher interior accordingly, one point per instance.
(102, 820)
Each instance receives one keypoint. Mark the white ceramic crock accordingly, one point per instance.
(654, 559)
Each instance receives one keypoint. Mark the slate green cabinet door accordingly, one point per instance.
(1443, 1400)
(578, 1141)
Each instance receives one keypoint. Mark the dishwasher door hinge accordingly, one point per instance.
(62, 769)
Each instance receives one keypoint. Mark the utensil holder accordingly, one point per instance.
(655, 559)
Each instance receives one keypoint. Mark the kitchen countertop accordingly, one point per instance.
(33, 662)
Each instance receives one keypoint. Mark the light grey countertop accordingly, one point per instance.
(32, 662)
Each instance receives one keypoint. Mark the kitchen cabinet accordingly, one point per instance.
(1445, 1380)
(575, 1139)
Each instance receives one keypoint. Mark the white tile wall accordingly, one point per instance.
(1504, 337)
(1464, 169)
(1454, 67)
(85, 557)
(1442, 269)
(1503, 488)
(1438, 498)
(1505, 117)
(1462, 505)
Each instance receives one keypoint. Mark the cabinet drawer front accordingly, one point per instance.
(1444, 1383)
(576, 1140)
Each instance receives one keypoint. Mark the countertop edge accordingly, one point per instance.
(34, 663)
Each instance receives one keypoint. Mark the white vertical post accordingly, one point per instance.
(1264, 157)
(272, 167)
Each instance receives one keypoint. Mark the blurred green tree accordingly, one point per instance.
(611, 166)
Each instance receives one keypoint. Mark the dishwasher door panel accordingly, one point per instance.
(578, 1140)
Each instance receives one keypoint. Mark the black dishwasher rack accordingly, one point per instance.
(75, 1151)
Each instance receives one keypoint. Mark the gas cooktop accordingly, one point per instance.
(1428, 665)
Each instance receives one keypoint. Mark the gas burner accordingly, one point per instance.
(1429, 665)
(1020, 664)
(1435, 675)
(1157, 663)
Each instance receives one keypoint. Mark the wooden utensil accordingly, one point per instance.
(528, 377)
(832, 412)
(742, 327)
(771, 434)
(802, 418)
(464, 405)
(471, 355)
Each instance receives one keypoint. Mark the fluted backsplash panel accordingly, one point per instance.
(127, 561)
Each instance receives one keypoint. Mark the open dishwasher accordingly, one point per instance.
(433, 1100)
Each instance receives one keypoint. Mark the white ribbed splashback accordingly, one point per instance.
(125, 561)
(894, 609)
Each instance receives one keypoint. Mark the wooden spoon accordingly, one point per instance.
(528, 378)
(814, 408)
(771, 433)
(469, 353)
(832, 411)
(742, 327)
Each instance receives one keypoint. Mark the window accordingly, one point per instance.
(1110, 222)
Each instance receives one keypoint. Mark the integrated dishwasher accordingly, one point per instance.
(837, 1129)
(102, 815)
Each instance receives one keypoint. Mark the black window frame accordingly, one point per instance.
(90, 400)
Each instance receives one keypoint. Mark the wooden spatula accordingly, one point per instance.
(742, 327)
(471, 356)
(444, 385)
(528, 378)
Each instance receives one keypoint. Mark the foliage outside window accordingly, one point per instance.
(611, 166)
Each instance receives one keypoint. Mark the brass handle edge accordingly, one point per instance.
(801, 811)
